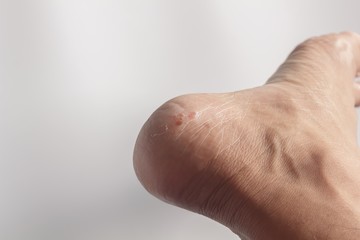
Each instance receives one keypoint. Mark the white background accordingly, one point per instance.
(79, 78)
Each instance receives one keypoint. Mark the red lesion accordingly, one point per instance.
(192, 115)
(179, 118)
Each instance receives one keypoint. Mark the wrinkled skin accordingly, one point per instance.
(279, 161)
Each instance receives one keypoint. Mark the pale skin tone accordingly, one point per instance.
(280, 161)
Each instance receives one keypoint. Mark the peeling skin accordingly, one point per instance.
(345, 50)
(180, 118)
(166, 128)
(192, 115)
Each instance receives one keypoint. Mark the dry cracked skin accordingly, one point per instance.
(279, 161)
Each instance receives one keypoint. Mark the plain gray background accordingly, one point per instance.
(79, 78)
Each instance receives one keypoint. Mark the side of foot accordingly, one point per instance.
(266, 162)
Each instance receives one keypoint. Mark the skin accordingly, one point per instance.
(279, 161)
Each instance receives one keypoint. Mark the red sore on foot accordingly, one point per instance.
(192, 115)
(179, 119)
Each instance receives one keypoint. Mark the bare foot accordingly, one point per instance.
(279, 161)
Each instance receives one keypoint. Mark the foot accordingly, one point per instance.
(279, 161)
